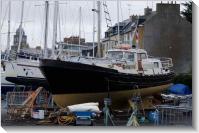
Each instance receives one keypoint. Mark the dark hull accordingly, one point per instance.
(7, 88)
(73, 78)
(28, 81)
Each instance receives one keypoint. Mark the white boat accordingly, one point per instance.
(23, 71)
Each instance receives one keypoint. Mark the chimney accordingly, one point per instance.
(133, 17)
(147, 11)
(166, 8)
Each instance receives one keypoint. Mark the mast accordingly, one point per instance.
(118, 26)
(46, 29)
(79, 30)
(8, 38)
(56, 8)
(93, 29)
(0, 21)
(98, 28)
(134, 32)
(20, 28)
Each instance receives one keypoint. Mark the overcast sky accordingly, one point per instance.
(69, 18)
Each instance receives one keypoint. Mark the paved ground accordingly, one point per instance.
(120, 120)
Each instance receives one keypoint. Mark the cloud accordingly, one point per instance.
(69, 18)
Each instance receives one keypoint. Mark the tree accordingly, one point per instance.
(38, 47)
(187, 12)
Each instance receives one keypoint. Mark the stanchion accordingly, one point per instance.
(107, 115)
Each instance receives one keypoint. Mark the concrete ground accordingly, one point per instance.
(120, 120)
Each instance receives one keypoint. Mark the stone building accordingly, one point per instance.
(24, 44)
(167, 34)
(127, 31)
(163, 33)
(74, 40)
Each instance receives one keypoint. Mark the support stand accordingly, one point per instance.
(107, 115)
(133, 118)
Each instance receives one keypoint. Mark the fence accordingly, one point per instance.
(173, 115)
(21, 103)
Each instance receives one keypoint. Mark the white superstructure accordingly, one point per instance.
(129, 61)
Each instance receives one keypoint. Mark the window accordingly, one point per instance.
(141, 56)
(129, 56)
(156, 65)
(115, 55)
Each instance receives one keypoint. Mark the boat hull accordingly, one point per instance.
(28, 81)
(119, 98)
(70, 78)
(74, 83)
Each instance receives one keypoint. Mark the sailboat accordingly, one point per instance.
(24, 70)
(121, 73)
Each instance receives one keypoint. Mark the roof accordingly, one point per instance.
(130, 50)
(126, 25)
(18, 31)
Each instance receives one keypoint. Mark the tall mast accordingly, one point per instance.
(118, 19)
(20, 28)
(8, 38)
(93, 29)
(79, 30)
(0, 21)
(98, 28)
(46, 29)
(56, 8)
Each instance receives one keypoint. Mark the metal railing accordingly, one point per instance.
(169, 115)
(18, 98)
(166, 62)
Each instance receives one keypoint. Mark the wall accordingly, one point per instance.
(168, 34)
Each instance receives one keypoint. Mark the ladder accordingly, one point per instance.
(108, 21)
(107, 15)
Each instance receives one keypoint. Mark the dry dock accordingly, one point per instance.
(170, 118)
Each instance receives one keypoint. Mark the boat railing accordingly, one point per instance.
(166, 62)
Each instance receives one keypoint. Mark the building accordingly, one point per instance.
(167, 34)
(127, 31)
(85, 49)
(89, 50)
(163, 33)
(74, 40)
(24, 44)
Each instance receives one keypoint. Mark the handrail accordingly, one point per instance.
(166, 62)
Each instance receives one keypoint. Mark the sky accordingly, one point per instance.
(33, 20)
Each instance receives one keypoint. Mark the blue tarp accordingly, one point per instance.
(85, 113)
(180, 89)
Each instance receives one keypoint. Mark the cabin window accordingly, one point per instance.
(115, 55)
(129, 56)
(156, 65)
(141, 56)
